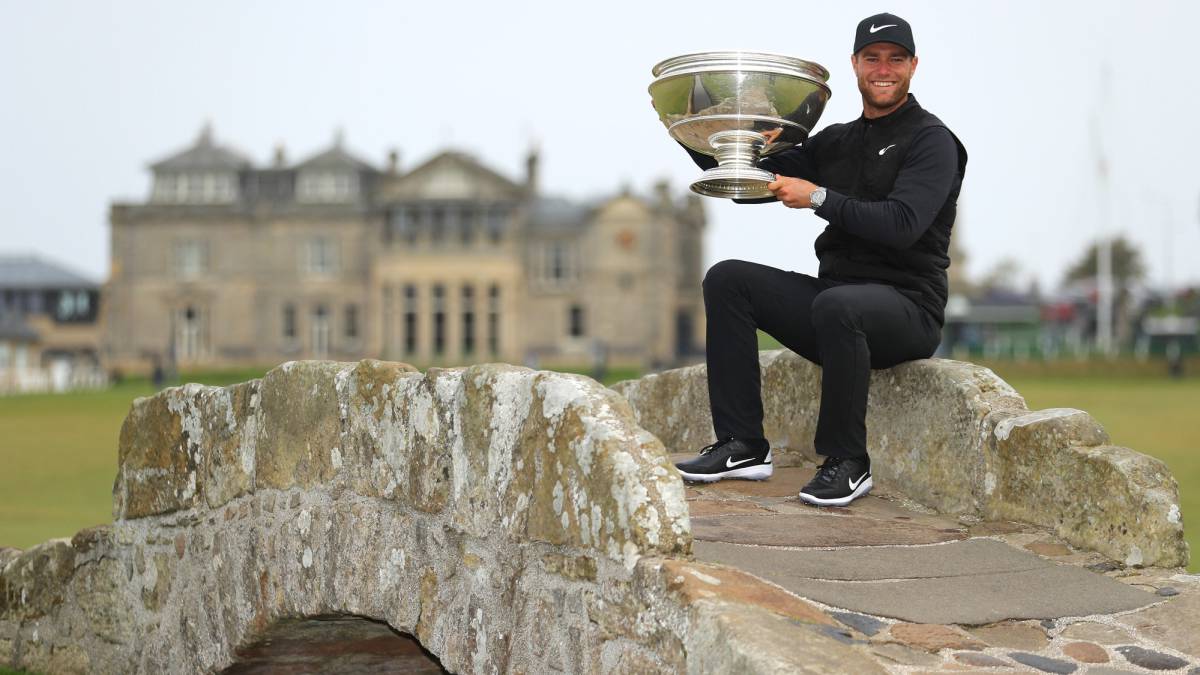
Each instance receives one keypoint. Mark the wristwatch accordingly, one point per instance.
(817, 198)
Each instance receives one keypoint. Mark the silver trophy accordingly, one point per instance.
(738, 107)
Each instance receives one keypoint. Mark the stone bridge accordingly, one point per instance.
(522, 521)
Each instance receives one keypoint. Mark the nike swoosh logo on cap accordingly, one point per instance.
(886, 149)
(729, 463)
(873, 29)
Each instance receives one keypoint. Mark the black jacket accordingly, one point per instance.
(892, 190)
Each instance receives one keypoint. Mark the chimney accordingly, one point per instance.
(531, 171)
(695, 208)
(280, 160)
(393, 163)
(663, 190)
(206, 135)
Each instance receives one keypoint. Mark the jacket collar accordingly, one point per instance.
(896, 114)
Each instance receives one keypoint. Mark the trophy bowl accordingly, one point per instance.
(737, 107)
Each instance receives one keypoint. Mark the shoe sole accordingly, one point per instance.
(756, 472)
(862, 489)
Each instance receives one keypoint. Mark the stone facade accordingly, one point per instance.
(955, 437)
(229, 264)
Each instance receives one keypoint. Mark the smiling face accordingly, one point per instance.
(884, 71)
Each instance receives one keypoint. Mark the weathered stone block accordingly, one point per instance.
(924, 421)
(34, 584)
(96, 589)
(158, 459)
(933, 637)
(733, 638)
(554, 458)
(570, 567)
(299, 438)
(375, 383)
(231, 434)
(673, 405)
(694, 581)
(398, 436)
(93, 539)
(1053, 469)
(597, 481)
(157, 581)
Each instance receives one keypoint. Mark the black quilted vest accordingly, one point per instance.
(847, 160)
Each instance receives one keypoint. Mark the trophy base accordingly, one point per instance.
(734, 182)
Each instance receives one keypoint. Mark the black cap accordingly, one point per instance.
(884, 28)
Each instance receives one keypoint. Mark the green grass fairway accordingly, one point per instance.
(58, 453)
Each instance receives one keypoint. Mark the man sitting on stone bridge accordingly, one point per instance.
(887, 183)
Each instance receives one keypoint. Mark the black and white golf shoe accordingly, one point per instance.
(730, 458)
(839, 481)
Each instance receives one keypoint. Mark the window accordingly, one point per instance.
(327, 186)
(403, 226)
(190, 333)
(576, 321)
(493, 319)
(72, 305)
(468, 319)
(351, 317)
(191, 259)
(496, 219)
(320, 332)
(66, 306)
(558, 262)
(164, 188)
(437, 226)
(555, 263)
(413, 225)
(466, 226)
(195, 188)
(289, 322)
(439, 319)
(410, 319)
(320, 256)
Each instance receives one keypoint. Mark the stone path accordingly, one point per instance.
(924, 593)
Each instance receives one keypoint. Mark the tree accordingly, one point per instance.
(1004, 275)
(1127, 265)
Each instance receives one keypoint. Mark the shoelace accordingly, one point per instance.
(828, 470)
(709, 448)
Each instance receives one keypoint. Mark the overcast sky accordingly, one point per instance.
(94, 91)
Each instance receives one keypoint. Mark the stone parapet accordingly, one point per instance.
(955, 437)
(511, 520)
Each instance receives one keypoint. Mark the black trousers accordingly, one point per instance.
(846, 328)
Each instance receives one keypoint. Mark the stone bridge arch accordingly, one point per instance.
(326, 488)
(514, 520)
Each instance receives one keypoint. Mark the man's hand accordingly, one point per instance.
(793, 192)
